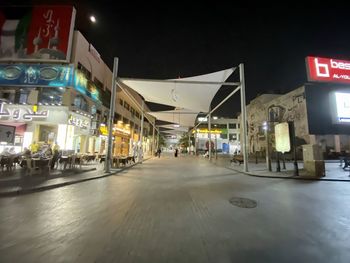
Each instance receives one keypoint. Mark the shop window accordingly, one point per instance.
(232, 125)
(125, 121)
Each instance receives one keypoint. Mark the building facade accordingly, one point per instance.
(225, 135)
(60, 94)
(312, 110)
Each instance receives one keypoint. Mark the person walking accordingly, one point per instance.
(176, 152)
(159, 151)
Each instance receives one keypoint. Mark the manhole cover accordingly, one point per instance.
(243, 202)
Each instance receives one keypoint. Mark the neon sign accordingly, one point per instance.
(328, 70)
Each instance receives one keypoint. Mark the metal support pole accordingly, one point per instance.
(141, 134)
(296, 169)
(111, 116)
(278, 165)
(153, 142)
(158, 146)
(244, 118)
(195, 143)
(216, 147)
(209, 135)
(189, 143)
(284, 161)
(268, 159)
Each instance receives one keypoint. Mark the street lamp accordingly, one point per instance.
(268, 159)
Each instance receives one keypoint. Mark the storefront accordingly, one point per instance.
(202, 141)
(122, 138)
(45, 125)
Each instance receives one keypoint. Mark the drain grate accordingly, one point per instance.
(243, 202)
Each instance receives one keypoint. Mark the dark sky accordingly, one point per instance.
(180, 40)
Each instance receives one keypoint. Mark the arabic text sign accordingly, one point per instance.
(44, 32)
(328, 70)
(18, 114)
(7, 134)
(36, 75)
(79, 122)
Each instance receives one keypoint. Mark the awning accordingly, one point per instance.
(182, 117)
(196, 97)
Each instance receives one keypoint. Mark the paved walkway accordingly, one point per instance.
(178, 210)
(334, 171)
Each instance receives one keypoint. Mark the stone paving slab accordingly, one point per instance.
(179, 210)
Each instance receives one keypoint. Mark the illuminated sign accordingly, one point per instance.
(47, 75)
(104, 130)
(328, 70)
(84, 124)
(202, 119)
(207, 131)
(37, 33)
(342, 101)
(85, 86)
(22, 114)
(122, 130)
(282, 137)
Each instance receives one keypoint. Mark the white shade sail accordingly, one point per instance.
(181, 117)
(194, 96)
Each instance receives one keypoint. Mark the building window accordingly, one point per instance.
(221, 126)
(223, 135)
(54, 96)
(232, 125)
(98, 83)
(126, 105)
(137, 114)
(125, 120)
(121, 102)
(81, 103)
(232, 136)
(84, 70)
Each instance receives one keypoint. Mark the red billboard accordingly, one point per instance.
(44, 33)
(328, 70)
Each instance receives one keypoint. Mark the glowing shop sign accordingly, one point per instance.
(207, 131)
(84, 124)
(22, 114)
(343, 107)
(328, 70)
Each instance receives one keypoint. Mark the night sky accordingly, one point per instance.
(180, 40)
